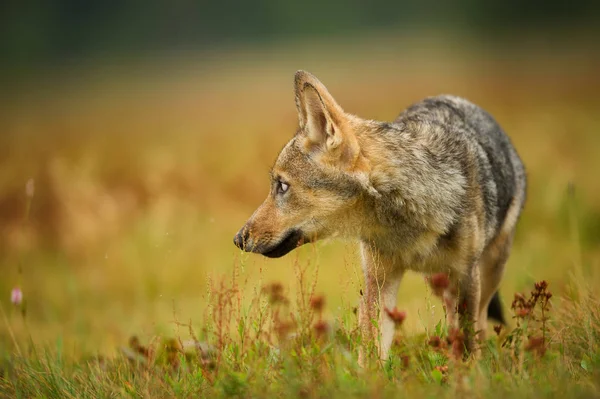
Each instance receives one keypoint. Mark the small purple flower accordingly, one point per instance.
(16, 296)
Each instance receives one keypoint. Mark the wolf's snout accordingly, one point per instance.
(242, 238)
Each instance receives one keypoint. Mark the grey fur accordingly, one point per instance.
(438, 190)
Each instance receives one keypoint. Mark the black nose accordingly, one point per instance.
(241, 238)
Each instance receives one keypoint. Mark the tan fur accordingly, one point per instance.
(411, 192)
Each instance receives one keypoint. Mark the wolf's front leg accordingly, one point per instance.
(469, 296)
(382, 279)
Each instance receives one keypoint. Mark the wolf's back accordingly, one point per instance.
(498, 169)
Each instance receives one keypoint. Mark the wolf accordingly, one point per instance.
(438, 190)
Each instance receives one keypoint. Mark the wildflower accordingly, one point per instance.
(317, 303)
(16, 296)
(173, 349)
(321, 328)
(396, 316)
(405, 361)
(274, 288)
(439, 282)
(498, 328)
(443, 370)
(524, 312)
(283, 329)
(537, 345)
(134, 343)
(435, 341)
(457, 337)
(519, 300)
(275, 293)
(463, 307)
(519, 297)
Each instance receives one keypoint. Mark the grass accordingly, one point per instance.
(141, 183)
(280, 344)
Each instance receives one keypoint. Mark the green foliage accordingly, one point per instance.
(311, 365)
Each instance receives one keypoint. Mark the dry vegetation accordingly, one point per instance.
(132, 286)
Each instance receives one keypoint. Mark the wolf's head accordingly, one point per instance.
(318, 182)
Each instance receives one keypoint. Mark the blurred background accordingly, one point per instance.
(145, 131)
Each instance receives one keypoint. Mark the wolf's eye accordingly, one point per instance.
(282, 187)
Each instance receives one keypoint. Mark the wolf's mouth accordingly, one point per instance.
(291, 241)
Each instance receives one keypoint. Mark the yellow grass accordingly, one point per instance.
(144, 173)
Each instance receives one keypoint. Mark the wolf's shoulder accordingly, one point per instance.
(454, 117)
(442, 108)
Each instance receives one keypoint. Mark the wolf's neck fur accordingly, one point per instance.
(421, 189)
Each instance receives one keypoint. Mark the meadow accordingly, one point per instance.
(121, 188)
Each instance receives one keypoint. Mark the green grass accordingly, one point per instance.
(278, 343)
(141, 183)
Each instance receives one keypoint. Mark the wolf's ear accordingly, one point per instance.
(327, 130)
(320, 116)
